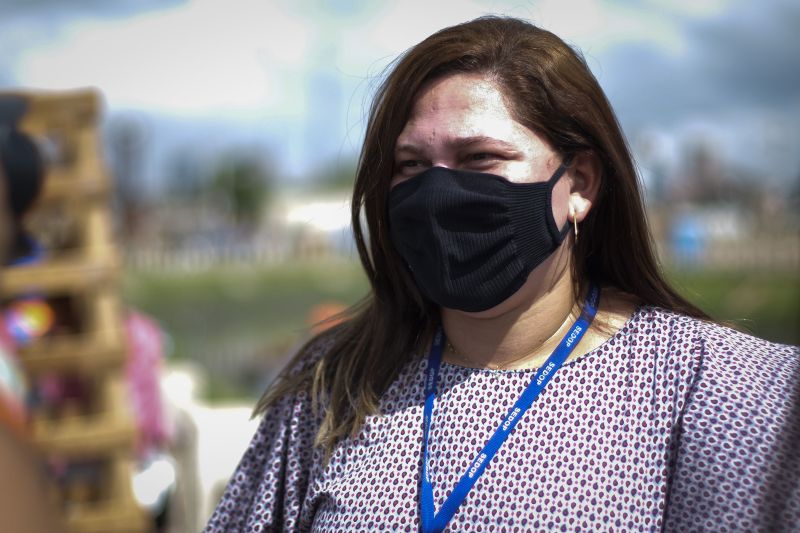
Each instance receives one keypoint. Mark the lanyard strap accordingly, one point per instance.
(436, 522)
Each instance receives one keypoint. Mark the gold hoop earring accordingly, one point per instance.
(574, 222)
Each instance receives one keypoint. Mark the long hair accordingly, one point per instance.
(549, 89)
(22, 169)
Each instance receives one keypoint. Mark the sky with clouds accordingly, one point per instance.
(294, 77)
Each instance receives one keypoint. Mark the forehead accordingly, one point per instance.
(459, 105)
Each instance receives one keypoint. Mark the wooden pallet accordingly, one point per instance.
(82, 264)
(67, 122)
(100, 344)
(114, 512)
(107, 430)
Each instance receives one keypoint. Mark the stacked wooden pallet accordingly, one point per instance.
(87, 431)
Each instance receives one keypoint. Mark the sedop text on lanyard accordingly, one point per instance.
(435, 522)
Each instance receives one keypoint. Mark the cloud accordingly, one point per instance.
(744, 59)
(198, 58)
(665, 64)
(752, 53)
(71, 9)
(732, 84)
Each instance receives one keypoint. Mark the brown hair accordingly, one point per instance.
(550, 90)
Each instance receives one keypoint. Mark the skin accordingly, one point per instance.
(463, 122)
(25, 505)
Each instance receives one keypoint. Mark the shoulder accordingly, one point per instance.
(291, 380)
(267, 488)
(743, 380)
(739, 362)
(728, 349)
(723, 351)
(735, 444)
(728, 365)
(24, 505)
(287, 408)
(311, 353)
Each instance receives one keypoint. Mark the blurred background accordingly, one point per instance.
(229, 133)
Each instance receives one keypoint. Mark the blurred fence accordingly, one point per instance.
(236, 255)
(771, 253)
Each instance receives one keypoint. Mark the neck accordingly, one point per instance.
(523, 336)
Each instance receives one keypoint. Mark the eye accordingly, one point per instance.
(409, 167)
(482, 160)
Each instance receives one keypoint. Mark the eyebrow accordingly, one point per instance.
(460, 143)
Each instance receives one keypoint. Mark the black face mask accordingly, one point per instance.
(470, 239)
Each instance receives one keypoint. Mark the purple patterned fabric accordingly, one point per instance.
(673, 424)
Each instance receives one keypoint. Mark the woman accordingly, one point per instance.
(26, 505)
(481, 386)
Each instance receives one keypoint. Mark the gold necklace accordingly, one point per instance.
(504, 366)
(473, 364)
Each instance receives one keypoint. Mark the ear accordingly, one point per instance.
(585, 174)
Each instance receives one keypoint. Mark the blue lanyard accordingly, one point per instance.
(436, 522)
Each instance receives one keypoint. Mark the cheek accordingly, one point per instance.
(561, 202)
(524, 171)
(516, 172)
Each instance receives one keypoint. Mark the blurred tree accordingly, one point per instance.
(242, 184)
(126, 137)
(340, 177)
(184, 176)
(793, 211)
(707, 182)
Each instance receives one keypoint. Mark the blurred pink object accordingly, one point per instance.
(13, 388)
(145, 361)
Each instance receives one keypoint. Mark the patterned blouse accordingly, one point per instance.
(672, 424)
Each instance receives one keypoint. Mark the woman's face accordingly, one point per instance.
(462, 122)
